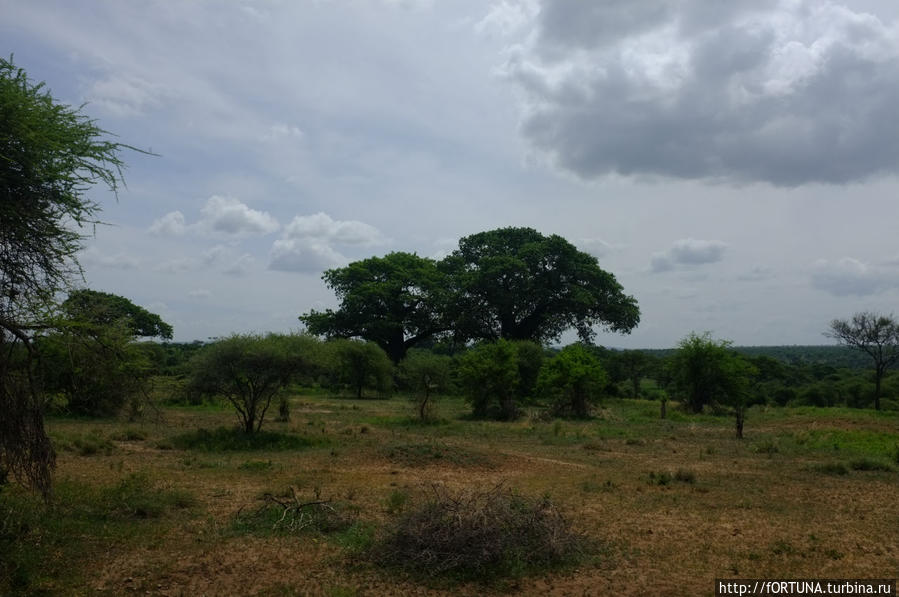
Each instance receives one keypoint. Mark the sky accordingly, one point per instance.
(733, 164)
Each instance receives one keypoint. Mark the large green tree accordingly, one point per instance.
(873, 334)
(50, 155)
(517, 284)
(396, 301)
(103, 309)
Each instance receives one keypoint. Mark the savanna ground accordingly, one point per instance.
(668, 504)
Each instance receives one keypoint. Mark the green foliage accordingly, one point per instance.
(707, 372)
(424, 373)
(249, 370)
(358, 365)
(97, 370)
(223, 439)
(396, 301)
(874, 335)
(50, 155)
(516, 284)
(530, 356)
(573, 380)
(489, 378)
(102, 309)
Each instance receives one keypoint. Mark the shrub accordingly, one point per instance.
(573, 380)
(424, 372)
(358, 365)
(479, 535)
(489, 375)
(228, 440)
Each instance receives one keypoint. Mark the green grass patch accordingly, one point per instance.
(430, 453)
(870, 464)
(831, 468)
(224, 439)
(81, 521)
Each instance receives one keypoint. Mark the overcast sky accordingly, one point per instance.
(734, 164)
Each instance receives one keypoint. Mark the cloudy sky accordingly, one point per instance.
(734, 163)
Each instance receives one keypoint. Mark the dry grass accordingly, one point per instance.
(762, 507)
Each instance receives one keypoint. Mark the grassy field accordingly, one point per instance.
(160, 508)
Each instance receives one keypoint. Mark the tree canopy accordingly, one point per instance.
(104, 309)
(708, 372)
(873, 334)
(517, 284)
(510, 283)
(395, 301)
(50, 155)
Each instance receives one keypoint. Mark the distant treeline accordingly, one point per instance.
(834, 356)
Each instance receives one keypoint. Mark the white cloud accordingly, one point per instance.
(241, 266)
(310, 257)
(597, 247)
(851, 277)
(171, 224)
(321, 227)
(199, 293)
(127, 95)
(782, 91)
(230, 216)
(688, 252)
(94, 257)
(178, 265)
(307, 243)
(280, 131)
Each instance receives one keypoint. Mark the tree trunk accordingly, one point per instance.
(741, 415)
(664, 408)
(878, 375)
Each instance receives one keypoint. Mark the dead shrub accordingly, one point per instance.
(479, 535)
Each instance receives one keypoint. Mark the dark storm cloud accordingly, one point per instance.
(782, 92)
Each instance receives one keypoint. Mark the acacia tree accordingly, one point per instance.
(50, 155)
(873, 334)
(395, 301)
(517, 284)
(248, 370)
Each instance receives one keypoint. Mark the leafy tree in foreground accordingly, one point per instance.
(517, 284)
(248, 370)
(50, 155)
(709, 373)
(873, 334)
(395, 301)
(573, 379)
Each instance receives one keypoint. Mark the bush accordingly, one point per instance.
(235, 440)
(358, 365)
(479, 535)
(424, 373)
(489, 377)
(573, 380)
